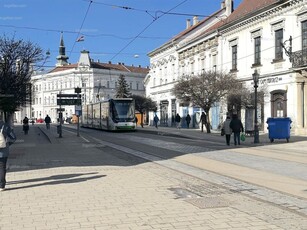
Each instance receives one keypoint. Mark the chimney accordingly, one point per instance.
(223, 4)
(110, 62)
(140, 66)
(228, 6)
(188, 23)
(195, 20)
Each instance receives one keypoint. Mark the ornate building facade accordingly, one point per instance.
(267, 36)
(190, 52)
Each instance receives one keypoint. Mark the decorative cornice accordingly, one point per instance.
(242, 23)
(280, 24)
(301, 15)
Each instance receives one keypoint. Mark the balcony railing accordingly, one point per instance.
(299, 58)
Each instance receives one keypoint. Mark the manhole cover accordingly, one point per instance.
(209, 202)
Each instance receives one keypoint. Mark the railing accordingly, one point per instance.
(299, 58)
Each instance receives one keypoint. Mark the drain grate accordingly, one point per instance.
(209, 202)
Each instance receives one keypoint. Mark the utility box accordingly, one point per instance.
(279, 128)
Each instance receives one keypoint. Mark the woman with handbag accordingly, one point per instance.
(226, 130)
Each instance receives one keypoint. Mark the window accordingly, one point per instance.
(137, 86)
(257, 54)
(278, 46)
(234, 58)
(130, 85)
(304, 36)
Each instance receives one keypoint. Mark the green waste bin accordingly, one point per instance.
(279, 128)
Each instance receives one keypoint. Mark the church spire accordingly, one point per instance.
(61, 58)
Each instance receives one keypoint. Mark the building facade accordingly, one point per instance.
(269, 37)
(265, 36)
(190, 52)
(97, 81)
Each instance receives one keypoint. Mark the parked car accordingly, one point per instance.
(40, 120)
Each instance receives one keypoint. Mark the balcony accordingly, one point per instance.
(299, 59)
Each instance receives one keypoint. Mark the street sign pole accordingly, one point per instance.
(78, 91)
(60, 120)
(68, 99)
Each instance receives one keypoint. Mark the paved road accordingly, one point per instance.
(92, 183)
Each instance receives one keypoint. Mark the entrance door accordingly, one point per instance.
(164, 113)
(279, 103)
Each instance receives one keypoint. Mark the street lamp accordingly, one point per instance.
(256, 130)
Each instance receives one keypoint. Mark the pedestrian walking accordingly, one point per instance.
(178, 120)
(237, 127)
(188, 120)
(136, 121)
(156, 120)
(25, 125)
(9, 138)
(47, 121)
(227, 130)
(203, 120)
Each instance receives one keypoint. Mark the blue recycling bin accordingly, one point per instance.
(279, 128)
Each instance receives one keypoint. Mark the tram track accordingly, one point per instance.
(283, 200)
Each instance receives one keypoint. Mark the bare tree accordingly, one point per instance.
(243, 97)
(144, 104)
(205, 89)
(16, 58)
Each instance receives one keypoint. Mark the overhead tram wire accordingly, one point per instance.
(150, 12)
(155, 19)
(79, 32)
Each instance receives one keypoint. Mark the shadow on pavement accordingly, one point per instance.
(55, 180)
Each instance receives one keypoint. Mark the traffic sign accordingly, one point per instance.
(68, 95)
(69, 101)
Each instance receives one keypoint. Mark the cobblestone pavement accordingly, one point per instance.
(75, 184)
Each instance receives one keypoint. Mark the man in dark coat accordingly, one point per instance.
(188, 120)
(237, 127)
(203, 120)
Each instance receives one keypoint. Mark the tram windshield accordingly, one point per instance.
(122, 110)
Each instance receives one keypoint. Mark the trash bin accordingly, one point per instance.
(279, 128)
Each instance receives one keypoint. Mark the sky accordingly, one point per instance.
(113, 30)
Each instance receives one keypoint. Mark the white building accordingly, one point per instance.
(98, 81)
(190, 52)
(250, 39)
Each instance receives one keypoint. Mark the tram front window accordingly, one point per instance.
(122, 111)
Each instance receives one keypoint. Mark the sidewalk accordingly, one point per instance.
(68, 183)
(197, 134)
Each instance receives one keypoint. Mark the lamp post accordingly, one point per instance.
(256, 130)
